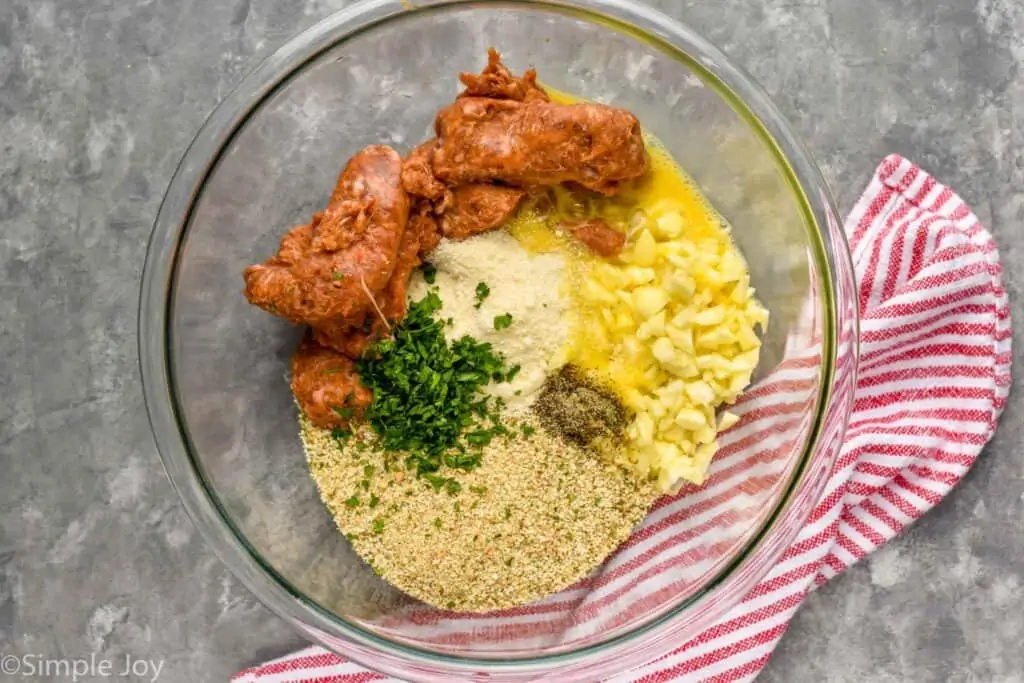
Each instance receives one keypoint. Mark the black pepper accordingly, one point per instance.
(579, 408)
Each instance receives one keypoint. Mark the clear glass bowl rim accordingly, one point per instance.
(830, 255)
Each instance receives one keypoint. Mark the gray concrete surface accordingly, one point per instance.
(98, 99)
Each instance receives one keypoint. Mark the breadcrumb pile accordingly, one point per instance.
(535, 517)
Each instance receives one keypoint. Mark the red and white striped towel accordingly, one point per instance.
(933, 380)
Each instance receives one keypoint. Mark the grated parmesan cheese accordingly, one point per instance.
(527, 286)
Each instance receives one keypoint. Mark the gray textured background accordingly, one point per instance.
(98, 99)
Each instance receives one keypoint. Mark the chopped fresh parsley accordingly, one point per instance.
(437, 522)
(438, 483)
(427, 398)
(378, 525)
(502, 321)
(429, 273)
(344, 412)
(374, 500)
(336, 276)
(368, 471)
(340, 436)
(482, 292)
(529, 430)
(352, 502)
(462, 460)
(479, 490)
(480, 437)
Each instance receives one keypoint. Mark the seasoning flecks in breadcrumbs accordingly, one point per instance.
(536, 516)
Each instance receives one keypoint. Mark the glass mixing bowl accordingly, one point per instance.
(215, 368)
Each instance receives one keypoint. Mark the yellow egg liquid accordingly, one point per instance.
(669, 322)
(539, 228)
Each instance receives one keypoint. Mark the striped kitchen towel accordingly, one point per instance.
(933, 379)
